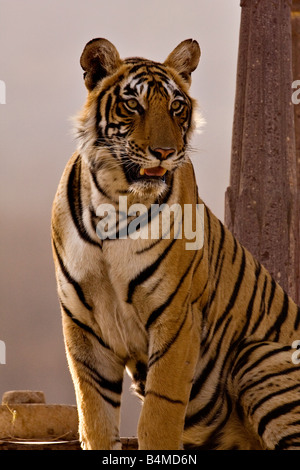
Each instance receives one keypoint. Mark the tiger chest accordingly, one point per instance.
(136, 275)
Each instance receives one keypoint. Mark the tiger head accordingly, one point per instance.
(138, 117)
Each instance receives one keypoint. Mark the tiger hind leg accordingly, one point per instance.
(265, 384)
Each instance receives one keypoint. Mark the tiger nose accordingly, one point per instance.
(162, 153)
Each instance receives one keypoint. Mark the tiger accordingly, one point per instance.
(205, 333)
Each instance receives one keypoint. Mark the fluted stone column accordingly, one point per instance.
(261, 201)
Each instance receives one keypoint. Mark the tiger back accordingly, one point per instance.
(201, 327)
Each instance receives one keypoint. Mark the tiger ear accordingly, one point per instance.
(98, 59)
(185, 58)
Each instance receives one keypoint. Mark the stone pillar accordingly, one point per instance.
(296, 76)
(261, 201)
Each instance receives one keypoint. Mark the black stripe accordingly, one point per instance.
(98, 114)
(264, 379)
(156, 285)
(195, 271)
(276, 413)
(165, 77)
(212, 249)
(56, 235)
(74, 200)
(272, 293)
(210, 241)
(208, 225)
(96, 183)
(164, 397)
(218, 278)
(244, 356)
(135, 68)
(195, 418)
(113, 403)
(128, 90)
(249, 311)
(149, 247)
(272, 395)
(260, 382)
(280, 319)
(221, 244)
(159, 354)
(263, 358)
(177, 93)
(200, 295)
(235, 249)
(285, 442)
(114, 386)
(295, 423)
(147, 272)
(238, 342)
(209, 368)
(108, 108)
(99, 117)
(158, 311)
(198, 262)
(139, 76)
(235, 292)
(86, 328)
(94, 220)
(117, 89)
(69, 278)
(261, 308)
(151, 86)
(163, 90)
(213, 419)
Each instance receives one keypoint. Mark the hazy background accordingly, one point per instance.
(40, 45)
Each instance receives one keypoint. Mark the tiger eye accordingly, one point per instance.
(132, 103)
(176, 105)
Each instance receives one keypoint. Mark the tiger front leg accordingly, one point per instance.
(97, 375)
(174, 349)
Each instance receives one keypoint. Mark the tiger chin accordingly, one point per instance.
(205, 333)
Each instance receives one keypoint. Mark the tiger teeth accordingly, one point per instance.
(165, 171)
(142, 171)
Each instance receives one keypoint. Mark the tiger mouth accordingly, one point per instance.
(136, 173)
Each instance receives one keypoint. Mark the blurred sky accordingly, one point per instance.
(40, 46)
